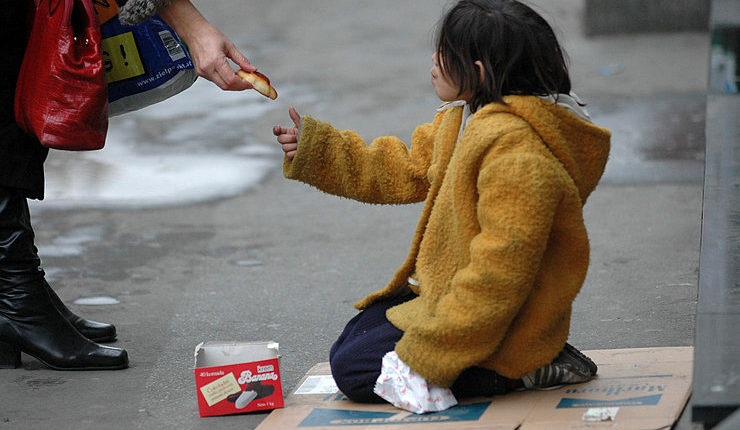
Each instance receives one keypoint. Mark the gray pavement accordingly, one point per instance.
(285, 262)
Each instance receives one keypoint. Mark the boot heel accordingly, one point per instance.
(10, 356)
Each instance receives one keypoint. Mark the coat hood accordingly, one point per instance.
(581, 147)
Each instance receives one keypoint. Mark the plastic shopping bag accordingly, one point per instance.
(144, 63)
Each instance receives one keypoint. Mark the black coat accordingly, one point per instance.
(21, 156)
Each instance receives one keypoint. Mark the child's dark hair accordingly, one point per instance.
(517, 47)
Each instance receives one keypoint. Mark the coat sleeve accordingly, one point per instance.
(339, 162)
(518, 198)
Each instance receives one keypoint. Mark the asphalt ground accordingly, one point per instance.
(285, 262)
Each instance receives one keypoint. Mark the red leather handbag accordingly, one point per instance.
(61, 95)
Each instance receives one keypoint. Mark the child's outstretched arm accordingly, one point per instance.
(339, 162)
(288, 137)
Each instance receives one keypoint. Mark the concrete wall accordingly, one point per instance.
(632, 16)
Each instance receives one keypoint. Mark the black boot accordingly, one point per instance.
(29, 321)
(93, 330)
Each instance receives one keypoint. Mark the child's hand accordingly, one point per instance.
(288, 137)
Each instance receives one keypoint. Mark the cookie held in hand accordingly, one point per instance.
(259, 82)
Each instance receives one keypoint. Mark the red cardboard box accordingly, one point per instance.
(237, 377)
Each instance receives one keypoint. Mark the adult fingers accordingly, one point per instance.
(231, 79)
(214, 77)
(239, 58)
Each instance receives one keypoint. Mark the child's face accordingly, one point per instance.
(446, 90)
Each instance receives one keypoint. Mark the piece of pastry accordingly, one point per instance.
(259, 82)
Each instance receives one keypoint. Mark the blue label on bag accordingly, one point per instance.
(142, 57)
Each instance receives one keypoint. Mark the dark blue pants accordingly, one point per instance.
(356, 357)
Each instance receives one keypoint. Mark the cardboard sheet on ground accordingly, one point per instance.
(644, 388)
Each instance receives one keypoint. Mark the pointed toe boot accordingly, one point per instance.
(30, 323)
(29, 320)
(93, 330)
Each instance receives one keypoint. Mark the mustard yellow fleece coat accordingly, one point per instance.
(500, 250)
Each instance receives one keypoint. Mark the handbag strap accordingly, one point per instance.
(92, 19)
(69, 6)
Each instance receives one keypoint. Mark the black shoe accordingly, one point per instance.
(29, 321)
(93, 330)
(569, 367)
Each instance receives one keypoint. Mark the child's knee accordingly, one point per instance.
(353, 381)
(358, 388)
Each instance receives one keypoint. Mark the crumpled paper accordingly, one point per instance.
(406, 389)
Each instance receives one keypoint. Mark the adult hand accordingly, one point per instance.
(209, 48)
(288, 137)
